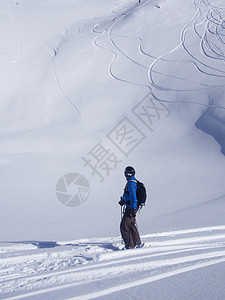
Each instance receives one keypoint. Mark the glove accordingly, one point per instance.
(121, 202)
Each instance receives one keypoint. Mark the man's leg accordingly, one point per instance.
(134, 232)
(125, 229)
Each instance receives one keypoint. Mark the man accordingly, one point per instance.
(128, 226)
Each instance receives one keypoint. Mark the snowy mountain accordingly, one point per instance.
(89, 87)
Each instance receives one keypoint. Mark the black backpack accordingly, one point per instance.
(141, 193)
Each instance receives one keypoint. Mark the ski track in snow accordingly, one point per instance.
(207, 24)
(40, 269)
(51, 53)
(12, 13)
(205, 21)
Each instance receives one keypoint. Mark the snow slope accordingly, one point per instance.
(69, 80)
(74, 75)
(183, 264)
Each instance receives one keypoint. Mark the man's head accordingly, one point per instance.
(129, 171)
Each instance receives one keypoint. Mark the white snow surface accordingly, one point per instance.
(182, 264)
(73, 73)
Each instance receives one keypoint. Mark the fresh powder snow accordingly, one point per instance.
(87, 88)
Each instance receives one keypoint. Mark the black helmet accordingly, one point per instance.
(129, 171)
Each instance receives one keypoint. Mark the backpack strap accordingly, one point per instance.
(126, 189)
(132, 180)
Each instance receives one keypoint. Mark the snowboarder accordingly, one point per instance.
(128, 227)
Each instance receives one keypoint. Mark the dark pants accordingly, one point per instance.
(129, 230)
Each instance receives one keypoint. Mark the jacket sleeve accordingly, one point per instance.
(132, 189)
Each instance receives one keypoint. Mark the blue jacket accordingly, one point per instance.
(130, 198)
